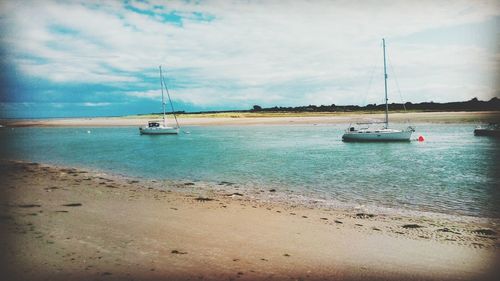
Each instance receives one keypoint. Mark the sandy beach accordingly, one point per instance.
(61, 223)
(265, 119)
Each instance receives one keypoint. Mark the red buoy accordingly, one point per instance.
(420, 138)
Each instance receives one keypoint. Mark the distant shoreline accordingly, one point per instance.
(263, 118)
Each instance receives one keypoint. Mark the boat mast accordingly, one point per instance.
(171, 104)
(162, 98)
(385, 87)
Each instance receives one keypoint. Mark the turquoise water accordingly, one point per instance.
(451, 172)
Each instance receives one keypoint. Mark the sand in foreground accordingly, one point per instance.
(68, 224)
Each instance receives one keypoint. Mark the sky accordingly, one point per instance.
(101, 58)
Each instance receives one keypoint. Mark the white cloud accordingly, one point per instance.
(251, 51)
(94, 104)
(141, 5)
(152, 94)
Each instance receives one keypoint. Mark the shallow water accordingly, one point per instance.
(451, 172)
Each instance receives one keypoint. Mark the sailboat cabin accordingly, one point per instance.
(153, 124)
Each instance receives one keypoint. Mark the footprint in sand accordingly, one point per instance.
(178, 252)
(203, 199)
(411, 226)
(29, 206)
(72, 205)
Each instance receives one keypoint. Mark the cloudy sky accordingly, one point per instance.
(89, 58)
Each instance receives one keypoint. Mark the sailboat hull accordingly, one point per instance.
(360, 136)
(159, 131)
(487, 132)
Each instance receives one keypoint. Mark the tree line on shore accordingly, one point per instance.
(470, 105)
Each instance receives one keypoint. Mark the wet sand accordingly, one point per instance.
(60, 223)
(320, 118)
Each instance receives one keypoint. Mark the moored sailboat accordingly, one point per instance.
(160, 127)
(367, 133)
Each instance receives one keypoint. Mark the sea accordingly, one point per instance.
(450, 172)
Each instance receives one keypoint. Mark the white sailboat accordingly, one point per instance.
(158, 127)
(367, 132)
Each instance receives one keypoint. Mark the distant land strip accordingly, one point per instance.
(470, 105)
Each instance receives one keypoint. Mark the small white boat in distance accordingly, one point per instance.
(367, 133)
(159, 127)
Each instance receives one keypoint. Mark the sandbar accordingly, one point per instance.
(263, 119)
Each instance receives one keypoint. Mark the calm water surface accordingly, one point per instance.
(451, 172)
